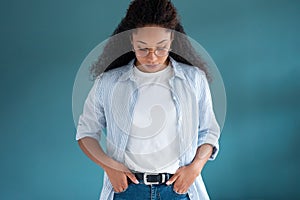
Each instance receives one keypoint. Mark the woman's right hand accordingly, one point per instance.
(117, 174)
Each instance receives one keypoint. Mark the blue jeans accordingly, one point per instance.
(147, 192)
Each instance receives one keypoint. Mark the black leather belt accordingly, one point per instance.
(152, 178)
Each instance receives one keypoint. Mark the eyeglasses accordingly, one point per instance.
(145, 52)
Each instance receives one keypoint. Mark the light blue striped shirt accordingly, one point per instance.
(110, 106)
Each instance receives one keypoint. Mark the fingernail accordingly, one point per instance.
(167, 183)
(137, 182)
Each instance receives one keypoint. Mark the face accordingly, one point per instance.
(156, 40)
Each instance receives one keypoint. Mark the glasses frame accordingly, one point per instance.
(155, 52)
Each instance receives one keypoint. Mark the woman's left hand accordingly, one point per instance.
(186, 175)
(184, 178)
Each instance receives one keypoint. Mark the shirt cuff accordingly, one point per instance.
(213, 141)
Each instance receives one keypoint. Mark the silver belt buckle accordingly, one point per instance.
(146, 182)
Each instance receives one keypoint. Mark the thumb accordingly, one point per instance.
(172, 179)
(132, 177)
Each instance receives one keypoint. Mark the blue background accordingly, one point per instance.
(255, 45)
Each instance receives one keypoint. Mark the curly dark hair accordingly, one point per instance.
(141, 13)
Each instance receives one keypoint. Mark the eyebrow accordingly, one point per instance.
(156, 43)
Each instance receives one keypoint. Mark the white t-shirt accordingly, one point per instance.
(153, 144)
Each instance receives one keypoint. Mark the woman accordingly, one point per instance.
(155, 105)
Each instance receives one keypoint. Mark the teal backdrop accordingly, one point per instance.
(254, 43)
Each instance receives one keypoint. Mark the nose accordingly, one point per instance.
(151, 56)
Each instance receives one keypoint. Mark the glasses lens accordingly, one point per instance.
(141, 52)
(162, 52)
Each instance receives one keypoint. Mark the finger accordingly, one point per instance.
(132, 177)
(179, 189)
(119, 190)
(172, 179)
(181, 192)
(122, 186)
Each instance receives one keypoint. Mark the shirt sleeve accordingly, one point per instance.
(208, 130)
(92, 120)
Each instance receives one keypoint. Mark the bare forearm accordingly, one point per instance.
(93, 150)
(116, 171)
(202, 155)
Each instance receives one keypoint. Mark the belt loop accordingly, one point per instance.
(163, 178)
